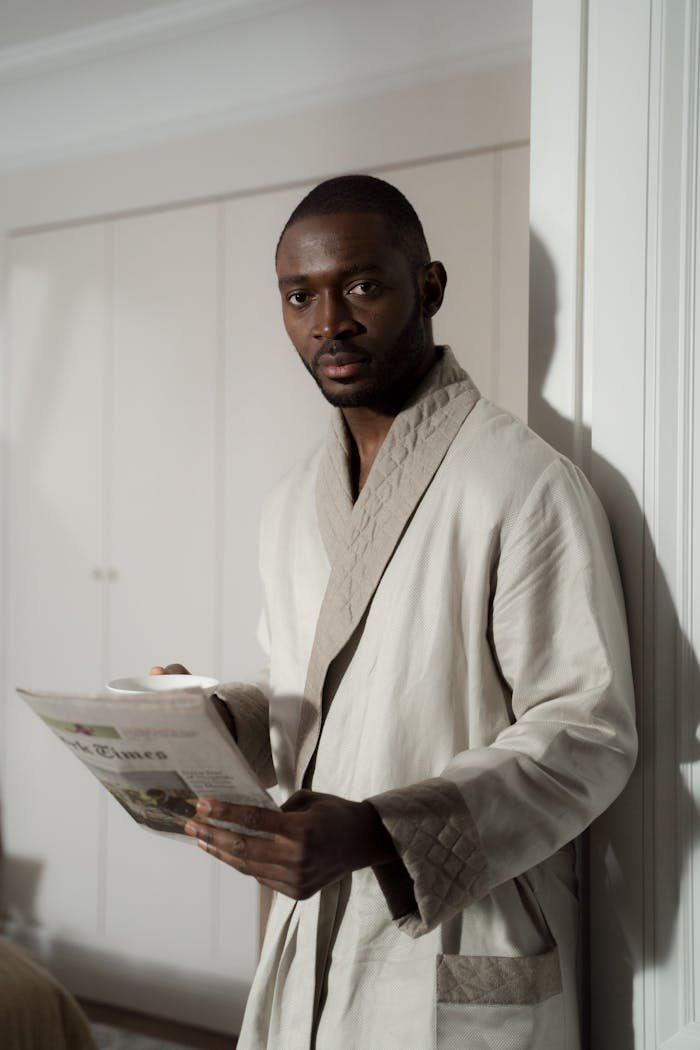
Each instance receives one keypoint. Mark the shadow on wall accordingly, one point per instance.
(618, 901)
(19, 883)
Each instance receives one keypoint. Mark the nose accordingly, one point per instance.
(334, 318)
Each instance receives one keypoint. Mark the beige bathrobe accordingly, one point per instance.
(453, 647)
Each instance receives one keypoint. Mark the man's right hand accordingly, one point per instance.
(169, 669)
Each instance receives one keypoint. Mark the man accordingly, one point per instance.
(449, 700)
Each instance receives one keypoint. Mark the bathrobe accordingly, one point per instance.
(452, 646)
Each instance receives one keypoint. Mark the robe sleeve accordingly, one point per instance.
(558, 635)
(249, 705)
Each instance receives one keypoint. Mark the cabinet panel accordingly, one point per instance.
(474, 211)
(163, 506)
(456, 202)
(512, 279)
(273, 415)
(56, 299)
(163, 497)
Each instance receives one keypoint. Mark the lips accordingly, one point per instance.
(340, 363)
(333, 370)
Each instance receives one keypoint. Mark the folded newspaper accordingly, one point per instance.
(156, 753)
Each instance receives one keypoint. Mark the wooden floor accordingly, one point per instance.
(157, 1027)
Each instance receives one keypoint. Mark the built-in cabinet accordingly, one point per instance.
(153, 400)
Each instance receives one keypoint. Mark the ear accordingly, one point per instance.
(432, 281)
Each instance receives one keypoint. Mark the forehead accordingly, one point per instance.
(322, 243)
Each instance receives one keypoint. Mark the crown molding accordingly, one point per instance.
(115, 35)
(191, 68)
(232, 117)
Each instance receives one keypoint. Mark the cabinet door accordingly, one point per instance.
(165, 540)
(51, 806)
(273, 414)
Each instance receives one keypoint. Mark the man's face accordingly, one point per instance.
(351, 304)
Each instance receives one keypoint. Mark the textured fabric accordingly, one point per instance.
(36, 1012)
(362, 544)
(493, 981)
(536, 1025)
(451, 646)
(250, 708)
(438, 843)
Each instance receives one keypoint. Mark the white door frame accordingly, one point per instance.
(614, 286)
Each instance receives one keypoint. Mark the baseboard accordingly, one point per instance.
(156, 1027)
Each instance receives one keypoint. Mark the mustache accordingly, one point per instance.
(340, 351)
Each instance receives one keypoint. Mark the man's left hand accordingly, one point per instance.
(316, 840)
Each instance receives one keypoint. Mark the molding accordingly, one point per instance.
(153, 26)
(686, 581)
(189, 68)
(98, 143)
(669, 730)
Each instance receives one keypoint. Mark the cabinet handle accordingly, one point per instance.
(110, 574)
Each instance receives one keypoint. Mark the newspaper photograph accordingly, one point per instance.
(155, 753)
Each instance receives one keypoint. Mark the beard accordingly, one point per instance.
(393, 374)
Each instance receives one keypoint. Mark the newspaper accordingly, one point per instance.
(156, 753)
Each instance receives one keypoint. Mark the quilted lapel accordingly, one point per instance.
(360, 539)
(334, 503)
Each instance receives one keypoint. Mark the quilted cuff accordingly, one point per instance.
(250, 709)
(439, 845)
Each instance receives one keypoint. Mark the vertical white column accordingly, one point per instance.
(556, 202)
(614, 293)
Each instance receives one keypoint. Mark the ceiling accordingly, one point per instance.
(24, 21)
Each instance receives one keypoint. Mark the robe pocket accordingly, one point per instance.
(510, 1003)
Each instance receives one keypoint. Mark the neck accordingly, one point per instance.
(368, 430)
(369, 427)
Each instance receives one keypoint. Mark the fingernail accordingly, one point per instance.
(190, 828)
(203, 807)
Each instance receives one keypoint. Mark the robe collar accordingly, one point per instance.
(360, 537)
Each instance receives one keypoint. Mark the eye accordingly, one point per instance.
(298, 298)
(364, 289)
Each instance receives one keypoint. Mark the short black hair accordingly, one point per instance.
(366, 193)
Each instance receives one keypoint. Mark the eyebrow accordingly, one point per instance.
(349, 271)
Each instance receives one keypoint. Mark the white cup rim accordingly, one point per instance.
(162, 683)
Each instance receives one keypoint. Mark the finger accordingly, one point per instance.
(157, 670)
(268, 875)
(255, 850)
(250, 818)
(253, 856)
